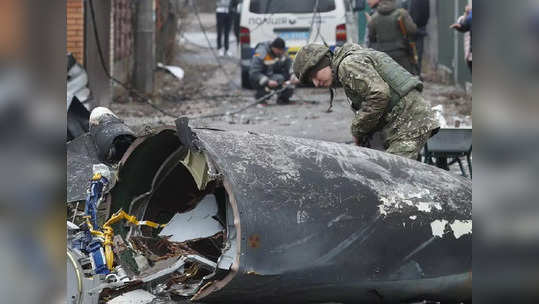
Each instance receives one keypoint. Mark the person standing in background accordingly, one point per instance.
(464, 25)
(386, 33)
(420, 12)
(372, 5)
(235, 6)
(222, 12)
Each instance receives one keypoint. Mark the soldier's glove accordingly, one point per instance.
(357, 141)
(363, 141)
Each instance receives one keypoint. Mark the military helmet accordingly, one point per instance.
(307, 58)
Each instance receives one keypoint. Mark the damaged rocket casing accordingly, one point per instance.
(311, 221)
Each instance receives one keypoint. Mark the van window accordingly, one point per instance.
(294, 7)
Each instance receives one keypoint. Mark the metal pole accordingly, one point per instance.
(144, 46)
(111, 41)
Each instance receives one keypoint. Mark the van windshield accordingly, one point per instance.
(286, 6)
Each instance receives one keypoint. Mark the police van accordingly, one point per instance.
(298, 22)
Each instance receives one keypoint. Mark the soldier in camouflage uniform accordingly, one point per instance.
(384, 96)
(385, 34)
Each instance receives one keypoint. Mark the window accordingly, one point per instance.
(294, 7)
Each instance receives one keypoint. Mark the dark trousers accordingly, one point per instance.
(419, 43)
(223, 27)
(236, 28)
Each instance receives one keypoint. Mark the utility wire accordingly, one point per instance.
(316, 11)
(147, 98)
(254, 103)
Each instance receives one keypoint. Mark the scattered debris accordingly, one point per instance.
(438, 111)
(78, 99)
(174, 70)
(138, 296)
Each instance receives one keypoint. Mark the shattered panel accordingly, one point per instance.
(194, 224)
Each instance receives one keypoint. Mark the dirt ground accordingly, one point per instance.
(212, 85)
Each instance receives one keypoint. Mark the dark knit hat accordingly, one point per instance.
(278, 43)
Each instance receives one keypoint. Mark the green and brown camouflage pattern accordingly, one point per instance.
(372, 80)
(306, 58)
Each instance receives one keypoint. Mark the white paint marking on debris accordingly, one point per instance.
(337, 219)
(383, 205)
(458, 227)
(137, 296)
(395, 202)
(427, 207)
(98, 113)
(302, 216)
(461, 228)
(438, 227)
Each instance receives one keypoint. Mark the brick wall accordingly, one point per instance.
(75, 29)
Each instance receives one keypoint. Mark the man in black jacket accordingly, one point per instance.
(420, 12)
(270, 69)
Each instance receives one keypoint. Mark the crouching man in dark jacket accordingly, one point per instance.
(270, 70)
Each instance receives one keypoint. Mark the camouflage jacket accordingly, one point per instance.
(264, 64)
(358, 70)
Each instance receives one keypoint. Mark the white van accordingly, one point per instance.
(298, 22)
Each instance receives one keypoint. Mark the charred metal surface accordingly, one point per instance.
(301, 220)
(76, 120)
(156, 249)
(112, 137)
(208, 247)
(139, 165)
(81, 155)
(323, 216)
(186, 135)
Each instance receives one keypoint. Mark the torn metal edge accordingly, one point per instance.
(189, 138)
(213, 286)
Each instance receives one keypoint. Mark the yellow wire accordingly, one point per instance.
(108, 232)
